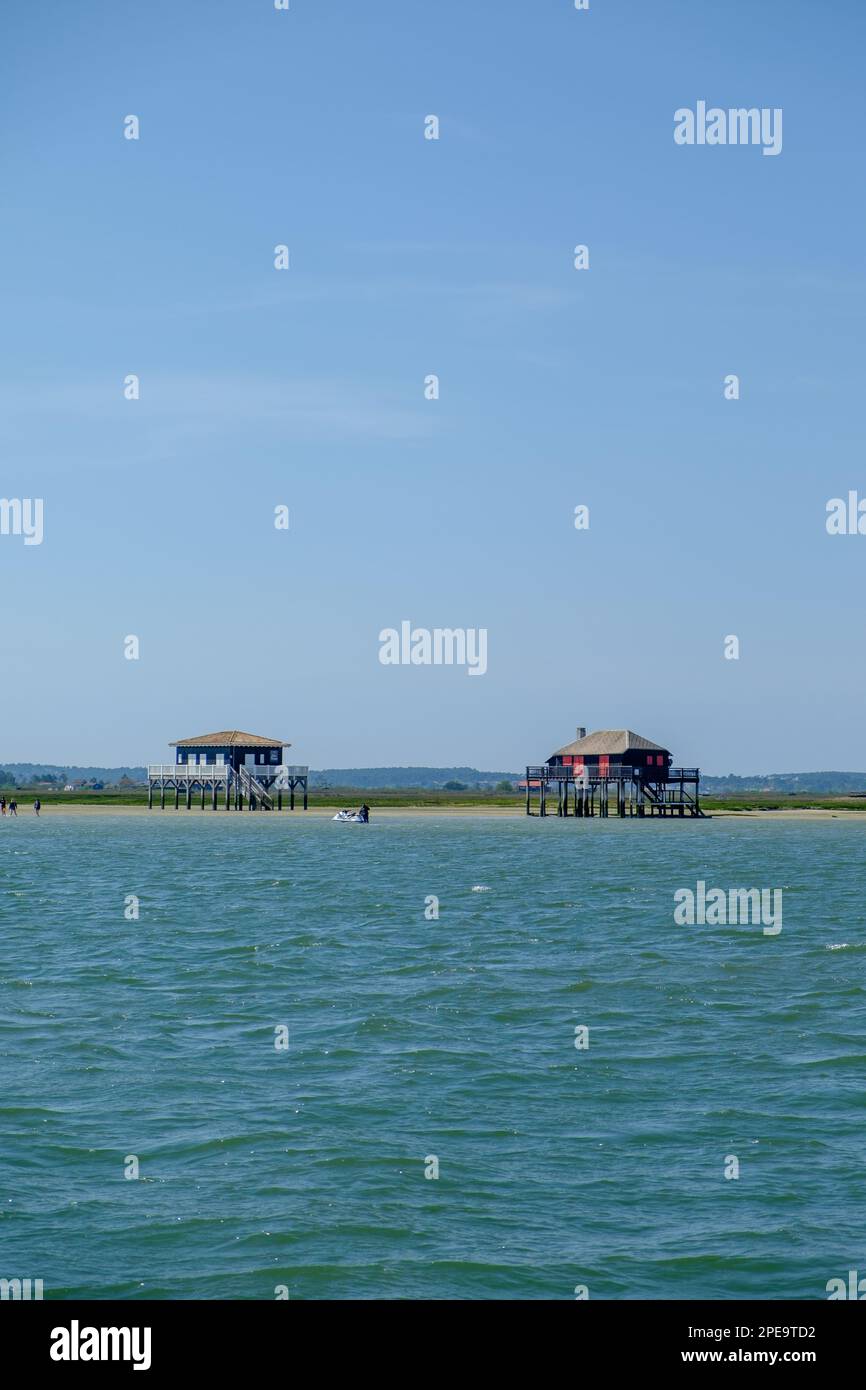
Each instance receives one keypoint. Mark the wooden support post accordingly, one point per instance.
(162, 795)
(176, 795)
(228, 794)
(214, 799)
(305, 793)
(279, 801)
(189, 796)
(149, 795)
(202, 795)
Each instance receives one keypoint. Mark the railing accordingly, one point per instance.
(221, 771)
(616, 772)
(217, 772)
(251, 787)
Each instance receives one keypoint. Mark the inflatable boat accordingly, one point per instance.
(351, 816)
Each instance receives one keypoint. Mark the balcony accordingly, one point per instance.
(213, 772)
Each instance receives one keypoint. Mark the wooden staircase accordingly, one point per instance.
(253, 790)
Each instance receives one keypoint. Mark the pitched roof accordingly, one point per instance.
(610, 741)
(230, 738)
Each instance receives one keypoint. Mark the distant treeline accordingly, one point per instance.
(439, 778)
(811, 783)
(369, 777)
(26, 774)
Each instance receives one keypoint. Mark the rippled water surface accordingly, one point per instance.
(410, 1038)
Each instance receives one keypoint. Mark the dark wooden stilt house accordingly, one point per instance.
(230, 769)
(639, 773)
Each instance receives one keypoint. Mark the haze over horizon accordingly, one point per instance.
(305, 388)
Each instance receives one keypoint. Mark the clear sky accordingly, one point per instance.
(409, 257)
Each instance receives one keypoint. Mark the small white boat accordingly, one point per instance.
(351, 817)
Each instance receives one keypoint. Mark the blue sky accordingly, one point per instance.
(410, 257)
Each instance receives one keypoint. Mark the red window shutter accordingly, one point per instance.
(604, 764)
(567, 760)
(578, 763)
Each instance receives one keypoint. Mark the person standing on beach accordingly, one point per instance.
(2, 805)
(13, 808)
(37, 806)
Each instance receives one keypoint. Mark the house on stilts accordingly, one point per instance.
(617, 763)
(230, 770)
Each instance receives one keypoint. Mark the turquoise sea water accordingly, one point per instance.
(410, 1038)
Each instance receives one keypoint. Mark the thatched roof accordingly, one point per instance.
(230, 738)
(609, 741)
